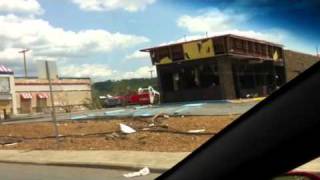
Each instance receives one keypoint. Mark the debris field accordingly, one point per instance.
(160, 133)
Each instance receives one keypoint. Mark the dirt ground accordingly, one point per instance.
(165, 134)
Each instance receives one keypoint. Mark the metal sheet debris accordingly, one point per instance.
(143, 172)
(193, 105)
(196, 131)
(126, 129)
(11, 144)
(199, 108)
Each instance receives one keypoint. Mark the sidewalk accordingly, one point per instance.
(156, 161)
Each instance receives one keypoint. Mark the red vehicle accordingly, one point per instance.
(143, 96)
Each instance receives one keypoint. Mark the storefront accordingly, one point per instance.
(33, 95)
(215, 68)
(7, 92)
(42, 102)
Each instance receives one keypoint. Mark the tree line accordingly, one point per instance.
(122, 87)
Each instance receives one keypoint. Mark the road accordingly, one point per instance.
(10, 171)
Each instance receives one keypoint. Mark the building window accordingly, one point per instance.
(4, 85)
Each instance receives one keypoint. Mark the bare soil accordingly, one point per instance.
(167, 134)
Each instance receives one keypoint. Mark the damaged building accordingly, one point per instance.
(224, 67)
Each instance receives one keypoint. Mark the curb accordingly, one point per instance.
(100, 166)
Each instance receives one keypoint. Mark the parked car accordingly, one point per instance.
(113, 101)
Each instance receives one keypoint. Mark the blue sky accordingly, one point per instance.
(101, 38)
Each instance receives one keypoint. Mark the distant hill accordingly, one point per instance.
(121, 87)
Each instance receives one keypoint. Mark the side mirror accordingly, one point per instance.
(297, 176)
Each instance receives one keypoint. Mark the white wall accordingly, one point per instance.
(40, 88)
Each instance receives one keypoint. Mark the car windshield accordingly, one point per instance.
(115, 89)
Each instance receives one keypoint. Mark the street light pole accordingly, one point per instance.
(24, 61)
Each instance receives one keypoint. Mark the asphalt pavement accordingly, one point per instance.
(12, 171)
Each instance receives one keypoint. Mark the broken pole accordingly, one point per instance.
(53, 109)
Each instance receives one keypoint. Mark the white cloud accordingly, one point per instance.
(10, 54)
(214, 20)
(44, 38)
(99, 72)
(109, 5)
(142, 72)
(138, 55)
(21, 6)
(87, 70)
(217, 22)
(49, 42)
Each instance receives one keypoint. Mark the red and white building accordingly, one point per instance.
(32, 94)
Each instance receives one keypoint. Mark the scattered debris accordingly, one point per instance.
(126, 129)
(79, 117)
(9, 140)
(11, 144)
(143, 172)
(143, 107)
(145, 115)
(193, 105)
(114, 111)
(157, 116)
(114, 135)
(170, 136)
(146, 129)
(197, 131)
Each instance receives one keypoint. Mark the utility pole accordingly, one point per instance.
(151, 73)
(317, 50)
(24, 61)
(53, 112)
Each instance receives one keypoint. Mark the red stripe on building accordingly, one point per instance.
(43, 96)
(26, 95)
(4, 69)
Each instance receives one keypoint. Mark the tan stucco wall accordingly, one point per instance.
(66, 92)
